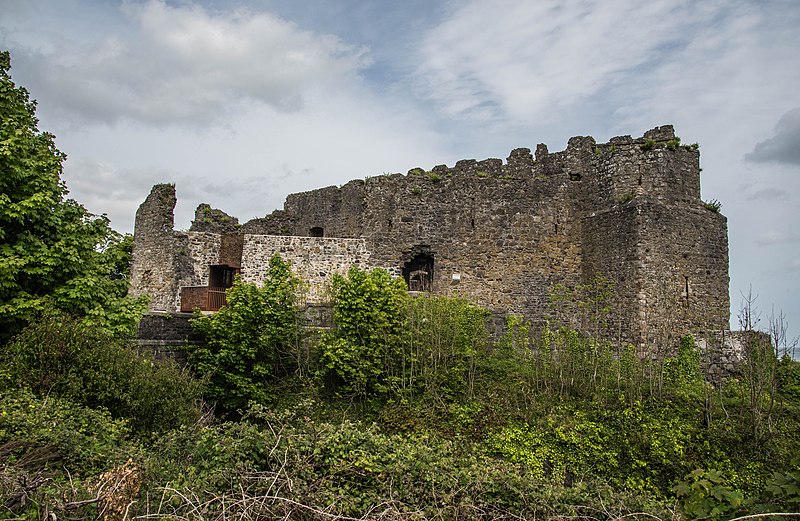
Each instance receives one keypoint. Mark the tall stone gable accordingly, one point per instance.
(501, 233)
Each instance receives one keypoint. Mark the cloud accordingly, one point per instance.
(186, 64)
(784, 146)
(777, 237)
(769, 194)
(536, 59)
(101, 188)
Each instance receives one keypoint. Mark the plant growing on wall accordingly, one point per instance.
(249, 342)
(713, 205)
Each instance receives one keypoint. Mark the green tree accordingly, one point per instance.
(250, 341)
(367, 350)
(51, 248)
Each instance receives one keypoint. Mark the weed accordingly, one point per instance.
(626, 197)
(648, 145)
(713, 205)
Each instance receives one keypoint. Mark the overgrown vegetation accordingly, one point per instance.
(250, 342)
(407, 408)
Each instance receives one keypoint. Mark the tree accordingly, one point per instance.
(51, 248)
(366, 349)
(249, 342)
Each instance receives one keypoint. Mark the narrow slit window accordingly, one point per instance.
(686, 289)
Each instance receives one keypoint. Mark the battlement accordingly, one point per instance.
(500, 232)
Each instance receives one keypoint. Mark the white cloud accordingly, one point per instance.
(533, 59)
(769, 194)
(777, 237)
(186, 64)
(241, 107)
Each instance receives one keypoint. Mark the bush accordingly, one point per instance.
(367, 351)
(60, 356)
(448, 337)
(304, 467)
(250, 342)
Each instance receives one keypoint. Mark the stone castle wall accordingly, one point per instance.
(314, 259)
(154, 268)
(501, 233)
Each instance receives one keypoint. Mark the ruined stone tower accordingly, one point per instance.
(502, 234)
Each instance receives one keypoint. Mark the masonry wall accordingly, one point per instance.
(684, 268)
(154, 268)
(611, 248)
(198, 251)
(313, 259)
(501, 233)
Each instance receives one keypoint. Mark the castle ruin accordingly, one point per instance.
(501, 234)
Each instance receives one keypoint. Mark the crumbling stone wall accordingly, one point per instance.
(154, 268)
(723, 352)
(207, 219)
(501, 233)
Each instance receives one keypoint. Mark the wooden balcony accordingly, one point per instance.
(204, 298)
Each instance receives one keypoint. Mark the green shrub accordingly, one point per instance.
(447, 338)
(789, 378)
(52, 452)
(365, 352)
(707, 495)
(252, 341)
(351, 468)
(648, 145)
(55, 432)
(60, 356)
(683, 378)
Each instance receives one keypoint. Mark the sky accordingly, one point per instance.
(240, 103)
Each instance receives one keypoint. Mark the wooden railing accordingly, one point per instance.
(203, 298)
(216, 299)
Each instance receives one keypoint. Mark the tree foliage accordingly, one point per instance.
(56, 355)
(368, 341)
(250, 341)
(51, 248)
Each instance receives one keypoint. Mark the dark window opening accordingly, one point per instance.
(316, 231)
(221, 276)
(418, 272)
